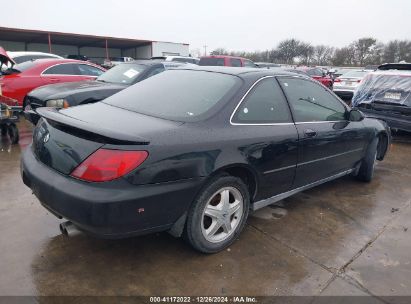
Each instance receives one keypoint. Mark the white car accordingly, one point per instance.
(19, 57)
(184, 59)
(345, 85)
(116, 60)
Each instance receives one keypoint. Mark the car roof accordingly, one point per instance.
(222, 56)
(237, 71)
(45, 62)
(23, 53)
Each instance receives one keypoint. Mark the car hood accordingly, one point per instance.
(63, 90)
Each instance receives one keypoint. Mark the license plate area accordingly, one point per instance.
(393, 96)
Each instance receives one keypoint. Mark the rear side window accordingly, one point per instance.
(181, 95)
(212, 61)
(185, 60)
(264, 104)
(235, 62)
(89, 70)
(311, 101)
(62, 69)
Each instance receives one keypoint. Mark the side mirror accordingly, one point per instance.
(355, 115)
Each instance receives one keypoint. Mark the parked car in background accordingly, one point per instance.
(267, 65)
(223, 60)
(346, 84)
(78, 57)
(18, 81)
(116, 60)
(337, 72)
(181, 152)
(183, 59)
(20, 57)
(64, 95)
(386, 94)
(318, 74)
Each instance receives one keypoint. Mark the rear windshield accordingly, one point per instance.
(181, 95)
(356, 73)
(122, 73)
(212, 61)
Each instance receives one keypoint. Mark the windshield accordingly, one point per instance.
(356, 74)
(181, 95)
(122, 73)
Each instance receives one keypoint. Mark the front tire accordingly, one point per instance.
(366, 171)
(218, 214)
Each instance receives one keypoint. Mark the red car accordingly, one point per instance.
(319, 75)
(18, 81)
(223, 60)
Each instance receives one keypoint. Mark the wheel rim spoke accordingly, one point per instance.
(234, 207)
(212, 212)
(215, 225)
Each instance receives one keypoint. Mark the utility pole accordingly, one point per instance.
(205, 50)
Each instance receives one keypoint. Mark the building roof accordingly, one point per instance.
(37, 36)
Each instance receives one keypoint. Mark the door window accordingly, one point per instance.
(264, 104)
(62, 69)
(235, 62)
(311, 101)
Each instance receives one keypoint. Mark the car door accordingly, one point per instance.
(269, 137)
(328, 143)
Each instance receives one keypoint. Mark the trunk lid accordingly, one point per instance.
(63, 139)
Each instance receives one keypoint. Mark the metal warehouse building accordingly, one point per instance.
(97, 48)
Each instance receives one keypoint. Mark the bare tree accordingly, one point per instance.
(344, 56)
(305, 52)
(288, 50)
(364, 49)
(322, 54)
(219, 51)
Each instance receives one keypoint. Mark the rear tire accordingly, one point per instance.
(366, 171)
(13, 133)
(218, 214)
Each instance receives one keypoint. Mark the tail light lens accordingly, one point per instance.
(105, 165)
(337, 80)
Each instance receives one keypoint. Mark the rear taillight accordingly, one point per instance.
(337, 80)
(105, 165)
(359, 80)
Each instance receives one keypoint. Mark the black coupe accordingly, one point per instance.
(193, 150)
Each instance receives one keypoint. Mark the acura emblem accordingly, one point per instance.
(46, 137)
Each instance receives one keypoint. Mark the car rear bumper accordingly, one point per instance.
(114, 209)
(394, 121)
